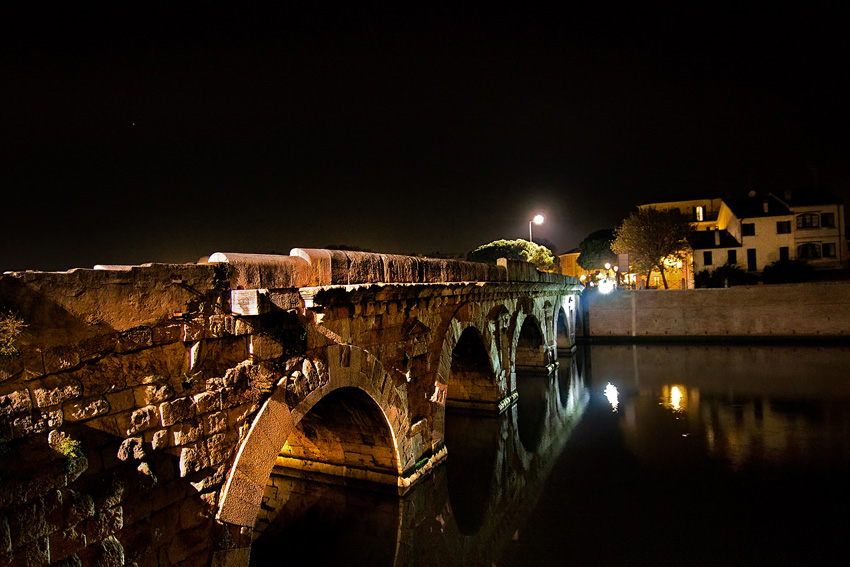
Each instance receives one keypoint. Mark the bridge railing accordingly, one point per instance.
(308, 267)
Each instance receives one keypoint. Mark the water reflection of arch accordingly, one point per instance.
(565, 330)
(432, 524)
(517, 474)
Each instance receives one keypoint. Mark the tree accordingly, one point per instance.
(595, 250)
(651, 236)
(519, 249)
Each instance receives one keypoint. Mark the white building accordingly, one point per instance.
(755, 231)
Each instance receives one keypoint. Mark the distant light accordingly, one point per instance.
(607, 265)
(613, 396)
(538, 219)
(606, 286)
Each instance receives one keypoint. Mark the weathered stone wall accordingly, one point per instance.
(146, 403)
(815, 310)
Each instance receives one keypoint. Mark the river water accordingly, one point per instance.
(628, 455)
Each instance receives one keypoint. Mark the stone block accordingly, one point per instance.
(167, 333)
(194, 330)
(220, 326)
(107, 553)
(159, 439)
(132, 448)
(10, 367)
(106, 523)
(60, 358)
(70, 561)
(211, 481)
(186, 432)
(78, 507)
(215, 423)
(134, 339)
(28, 523)
(140, 420)
(15, 403)
(67, 542)
(85, 409)
(190, 543)
(5, 536)
(206, 402)
(219, 448)
(152, 394)
(36, 553)
(96, 347)
(38, 422)
(193, 458)
(177, 410)
(54, 390)
(120, 401)
(33, 361)
(163, 525)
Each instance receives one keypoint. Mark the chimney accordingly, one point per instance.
(787, 195)
(717, 238)
(765, 205)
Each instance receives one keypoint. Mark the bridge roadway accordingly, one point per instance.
(148, 405)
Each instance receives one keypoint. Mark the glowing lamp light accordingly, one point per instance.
(606, 286)
(538, 219)
(613, 396)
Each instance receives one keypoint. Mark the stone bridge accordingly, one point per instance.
(144, 408)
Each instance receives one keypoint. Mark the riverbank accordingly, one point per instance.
(811, 312)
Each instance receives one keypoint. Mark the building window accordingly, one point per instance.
(827, 220)
(699, 213)
(808, 220)
(783, 227)
(829, 250)
(808, 251)
(706, 258)
(732, 257)
(783, 253)
(748, 229)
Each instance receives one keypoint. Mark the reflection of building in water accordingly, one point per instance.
(774, 405)
(740, 431)
(774, 432)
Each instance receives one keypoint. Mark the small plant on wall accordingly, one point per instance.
(11, 328)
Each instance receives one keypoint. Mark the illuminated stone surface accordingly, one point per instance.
(185, 385)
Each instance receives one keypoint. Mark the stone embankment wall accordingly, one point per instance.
(133, 387)
(808, 311)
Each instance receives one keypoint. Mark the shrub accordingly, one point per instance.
(519, 249)
(724, 276)
(787, 271)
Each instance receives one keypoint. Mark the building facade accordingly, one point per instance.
(755, 231)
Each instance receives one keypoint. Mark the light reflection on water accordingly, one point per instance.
(714, 456)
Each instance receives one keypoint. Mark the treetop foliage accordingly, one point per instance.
(518, 249)
(595, 250)
(649, 236)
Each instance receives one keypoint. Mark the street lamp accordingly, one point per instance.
(538, 219)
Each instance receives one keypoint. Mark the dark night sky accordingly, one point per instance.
(149, 134)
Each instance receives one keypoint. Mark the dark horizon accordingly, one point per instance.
(167, 134)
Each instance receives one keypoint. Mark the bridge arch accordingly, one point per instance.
(367, 411)
(472, 382)
(529, 344)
